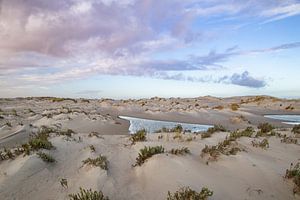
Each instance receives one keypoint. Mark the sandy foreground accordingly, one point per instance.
(253, 173)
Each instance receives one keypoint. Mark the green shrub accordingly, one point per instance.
(162, 130)
(139, 136)
(262, 144)
(186, 193)
(68, 132)
(46, 157)
(182, 151)
(44, 130)
(248, 132)
(225, 147)
(234, 106)
(88, 195)
(40, 143)
(289, 140)
(219, 107)
(100, 161)
(178, 129)
(57, 99)
(296, 129)
(216, 128)
(294, 173)
(211, 130)
(206, 135)
(265, 127)
(148, 152)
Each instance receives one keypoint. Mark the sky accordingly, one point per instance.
(143, 48)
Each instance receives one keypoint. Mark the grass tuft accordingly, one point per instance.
(234, 106)
(296, 129)
(265, 127)
(88, 195)
(226, 147)
(148, 152)
(186, 193)
(139, 136)
(100, 161)
(294, 173)
(264, 144)
(46, 157)
(182, 151)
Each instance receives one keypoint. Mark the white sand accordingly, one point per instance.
(252, 174)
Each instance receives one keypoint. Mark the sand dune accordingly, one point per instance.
(252, 173)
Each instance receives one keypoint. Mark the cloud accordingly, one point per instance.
(284, 11)
(54, 41)
(244, 79)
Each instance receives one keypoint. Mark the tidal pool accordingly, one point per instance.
(152, 126)
(286, 119)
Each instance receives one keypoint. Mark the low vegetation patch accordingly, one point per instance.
(289, 140)
(218, 107)
(181, 151)
(148, 152)
(294, 173)
(46, 157)
(205, 135)
(216, 128)
(57, 99)
(265, 127)
(248, 132)
(226, 147)
(36, 142)
(177, 129)
(234, 106)
(186, 193)
(296, 129)
(212, 130)
(40, 141)
(139, 136)
(264, 144)
(67, 132)
(84, 194)
(100, 161)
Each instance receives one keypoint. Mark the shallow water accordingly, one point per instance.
(153, 125)
(286, 119)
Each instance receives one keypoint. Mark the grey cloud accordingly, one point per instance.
(243, 79)
(280, 47)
